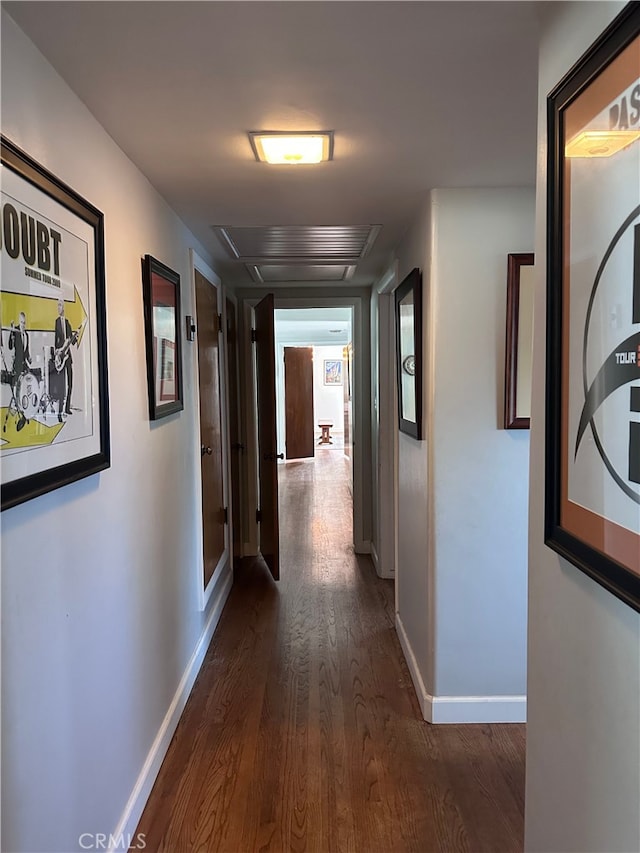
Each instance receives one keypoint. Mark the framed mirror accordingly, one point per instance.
(519, 344)
(409, 353)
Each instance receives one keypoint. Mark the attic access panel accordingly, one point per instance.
(299, 242)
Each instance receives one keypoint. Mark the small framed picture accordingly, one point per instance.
(592, 511)
(161, 292)
(519, 341)
(408, 299)
(332, 372)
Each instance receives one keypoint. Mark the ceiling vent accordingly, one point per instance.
(268, 273)
(291, 244)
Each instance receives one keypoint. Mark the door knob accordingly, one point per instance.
(206, 450)
(280, 456)
(271, 457)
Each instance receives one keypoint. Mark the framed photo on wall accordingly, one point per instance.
(332, 372)
(519, 341)
(161, 296)
(592, 512)
(53, 348)
(408, 299)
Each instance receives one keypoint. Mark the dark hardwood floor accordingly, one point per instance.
(303, 732)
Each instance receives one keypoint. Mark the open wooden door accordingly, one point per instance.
(267, 448)
(214, 515)
(298, 402)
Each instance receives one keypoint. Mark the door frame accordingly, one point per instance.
(235, 533)
(248, 426)
(269, 509)
(385, 427)
(362, 477)
(226, 559)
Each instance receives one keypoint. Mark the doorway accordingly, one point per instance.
(260, 451)
(314, 390)
(314, 380)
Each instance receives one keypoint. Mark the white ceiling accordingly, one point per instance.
(313, 326)
(419, 94)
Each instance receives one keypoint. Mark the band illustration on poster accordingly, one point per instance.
(54, 399)
(43, 377)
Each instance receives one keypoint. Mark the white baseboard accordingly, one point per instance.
(250, 549)
(362, 546)
(140, 794)
(214, 581)
(478, 709)
(414, 670)
(381, 571)
(460, 709)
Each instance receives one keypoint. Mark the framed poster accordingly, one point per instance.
(408, 298)
(53, 348)
(592, 512)
(332, 372)
(161, 296)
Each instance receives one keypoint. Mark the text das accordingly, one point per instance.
(626, 112)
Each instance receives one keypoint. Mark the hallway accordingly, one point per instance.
(303, 731)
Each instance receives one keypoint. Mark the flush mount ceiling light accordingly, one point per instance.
(286, 148)
(600, 143)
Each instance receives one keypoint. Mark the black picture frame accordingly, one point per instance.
(592, 488)
(55, 397)
(408, 309)
(513, 379)
(163, 342)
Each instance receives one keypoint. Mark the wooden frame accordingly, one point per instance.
(592, 512)
(408, 303)
(162, 324)
(54, 378)
(519, 340)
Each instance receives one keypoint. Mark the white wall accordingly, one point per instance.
(414, 571)
(328, 400)
(100, 605)
(479, 469)
(463, 491)
(375, 427)
(583, 738)
(384, 420)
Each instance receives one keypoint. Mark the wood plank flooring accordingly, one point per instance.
(303, 732)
